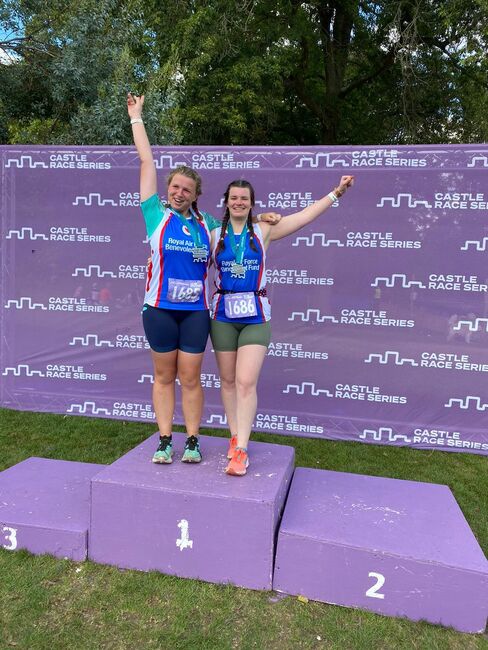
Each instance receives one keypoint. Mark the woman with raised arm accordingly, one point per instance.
(175, 314)
(240, 327)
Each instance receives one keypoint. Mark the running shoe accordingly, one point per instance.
(238, 463)
(232, 446)
(192, 452)
(164, 453)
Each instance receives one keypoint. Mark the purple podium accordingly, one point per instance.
(192, 521)
(395, 547)
(45, 507)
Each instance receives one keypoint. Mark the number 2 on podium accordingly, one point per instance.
(380, 581)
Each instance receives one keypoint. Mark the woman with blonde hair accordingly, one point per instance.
(175, 314)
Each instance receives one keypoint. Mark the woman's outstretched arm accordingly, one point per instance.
(293, 222)
(148, 185)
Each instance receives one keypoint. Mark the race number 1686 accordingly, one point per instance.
(240, 305)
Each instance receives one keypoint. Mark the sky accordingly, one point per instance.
(6, 58)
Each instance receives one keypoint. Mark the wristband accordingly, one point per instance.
(332, 197)
(136, 120)
(258, 218)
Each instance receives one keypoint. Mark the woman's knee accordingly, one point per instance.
(190, 379)
(245, 386)
(228, 382)
(165, 377)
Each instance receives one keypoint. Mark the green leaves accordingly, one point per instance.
(249, 71)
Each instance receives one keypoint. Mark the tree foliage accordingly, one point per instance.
(247, 71)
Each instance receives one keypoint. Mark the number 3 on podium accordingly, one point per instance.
(10, 535)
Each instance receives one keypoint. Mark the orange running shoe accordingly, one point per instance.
(232, 447)
(239, 463)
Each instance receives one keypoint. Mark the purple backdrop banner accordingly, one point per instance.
(380, 308)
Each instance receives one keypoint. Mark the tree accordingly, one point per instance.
(73, 89)
(253, 71)
(329, 72)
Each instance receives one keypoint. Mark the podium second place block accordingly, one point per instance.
(192, 520)
(399, 548)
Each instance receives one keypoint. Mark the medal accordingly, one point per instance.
(237, 270)
(200, 254)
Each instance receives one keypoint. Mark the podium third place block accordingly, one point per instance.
(44, 507)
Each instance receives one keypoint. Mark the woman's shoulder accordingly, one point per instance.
(153, 202)
(211, 221)
(153, 210)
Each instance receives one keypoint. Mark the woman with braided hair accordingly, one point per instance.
(175, 314)
(240, 314)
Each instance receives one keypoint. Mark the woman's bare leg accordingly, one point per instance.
(248, 367)
(164, 389)
(227, 370)
(189, 369)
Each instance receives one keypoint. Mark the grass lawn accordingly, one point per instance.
(49, 603)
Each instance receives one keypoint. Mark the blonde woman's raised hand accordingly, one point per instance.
(134, 105)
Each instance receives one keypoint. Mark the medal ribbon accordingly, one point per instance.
(191, 224)
(238, 249)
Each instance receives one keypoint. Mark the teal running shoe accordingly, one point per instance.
(192, 453)
(164, 453)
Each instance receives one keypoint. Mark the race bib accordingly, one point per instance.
(184, 290)
(240, 305)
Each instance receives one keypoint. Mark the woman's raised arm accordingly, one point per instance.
(148, 184)
(293, 222)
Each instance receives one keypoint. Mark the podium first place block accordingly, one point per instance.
(192, 520)
(399, 548)
(45, 507)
